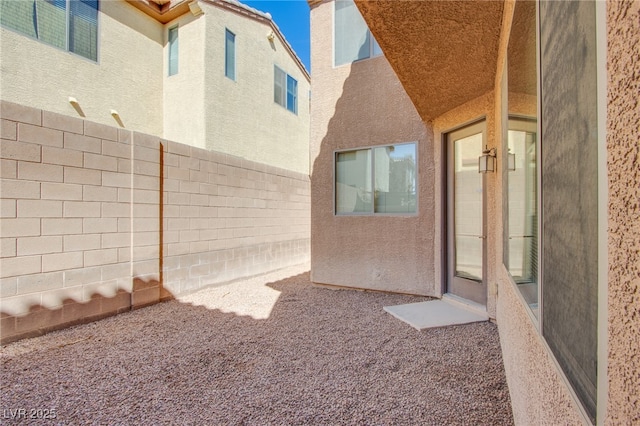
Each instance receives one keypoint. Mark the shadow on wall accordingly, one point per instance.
(386, 252)
(40, 320)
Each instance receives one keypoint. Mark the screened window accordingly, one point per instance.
(376, 180)
(285, 90)
(352, 39)
(67, 24)
(173, 51)
(230, 55)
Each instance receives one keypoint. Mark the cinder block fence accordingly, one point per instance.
(97, 220)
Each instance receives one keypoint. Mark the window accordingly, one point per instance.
(230, 55)
(352, 39)
(285, 90)
(67, 24)
(292, 94)
(173, 51)
(376, 180)
(551, 189)
(521, 256)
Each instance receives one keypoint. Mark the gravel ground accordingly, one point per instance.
(258, 353)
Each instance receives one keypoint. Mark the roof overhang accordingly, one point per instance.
(167, 10)
(162, 10)
(444, 52)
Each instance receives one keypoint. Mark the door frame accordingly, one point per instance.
(447, 244)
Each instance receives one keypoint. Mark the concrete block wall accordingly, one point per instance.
(96, 220)
(227, 218)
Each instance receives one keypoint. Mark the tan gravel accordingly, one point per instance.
(254, 353)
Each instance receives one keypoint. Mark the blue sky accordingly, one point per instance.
(292, 17)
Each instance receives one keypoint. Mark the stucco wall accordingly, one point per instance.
(482, 108)
(97, 220)
(623, 149)
(363, 104)
(127, 76)
(241, 117)
(183, 93)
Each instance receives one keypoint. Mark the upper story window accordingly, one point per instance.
(352, 39)
(230, 55)
(71, 25)
(173, 50)
(285, 90)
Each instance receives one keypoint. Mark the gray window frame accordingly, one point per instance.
(372, 159)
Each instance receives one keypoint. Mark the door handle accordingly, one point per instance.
(483, 237)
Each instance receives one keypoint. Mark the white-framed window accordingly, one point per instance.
(230, 55)
(71, 25)
(352, 39)
(173, 50)
(285, 90)
(376, 180)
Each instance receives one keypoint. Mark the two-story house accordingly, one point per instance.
(214, 74)
(519, 120)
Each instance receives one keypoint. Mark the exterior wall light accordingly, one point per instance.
(487, 161)
(195, 8)
(511, 161)
(271, 36)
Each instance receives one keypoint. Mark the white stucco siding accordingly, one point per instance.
(127, 77)
(242, 118)
(184, 113)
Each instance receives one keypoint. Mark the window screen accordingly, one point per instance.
(83, 28)
(70, 25)
(569, 209)
(279, 87)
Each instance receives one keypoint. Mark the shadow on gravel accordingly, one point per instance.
(321, 357)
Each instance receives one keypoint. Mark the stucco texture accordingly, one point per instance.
(391, 253)
(204, 108)
(623, 149)
(538, 394)
(444, 52)
(129, 72)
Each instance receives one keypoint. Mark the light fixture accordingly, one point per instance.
(195, 8)
(271, 36)
(511, 161)
(487, 161)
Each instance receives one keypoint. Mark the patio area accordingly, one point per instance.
(270, 350)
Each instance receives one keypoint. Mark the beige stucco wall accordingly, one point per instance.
(241, 117)
(183, 94)
(127, 76)
(623, 149)
(359, 105)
